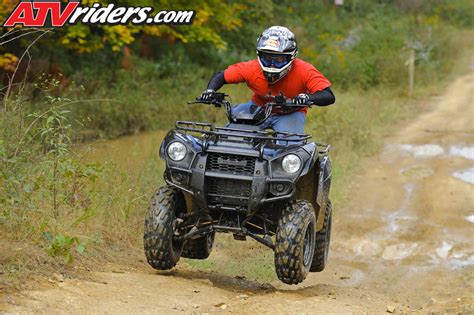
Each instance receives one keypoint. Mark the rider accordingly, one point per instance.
(276, 71)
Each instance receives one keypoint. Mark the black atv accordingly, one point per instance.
(239, 179)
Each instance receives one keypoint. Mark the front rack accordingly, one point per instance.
(323, 148)
(193, 126)
(244, 135)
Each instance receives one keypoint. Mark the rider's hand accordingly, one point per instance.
(207, 95)
(301, 99)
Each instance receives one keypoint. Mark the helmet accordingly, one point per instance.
(276, 51)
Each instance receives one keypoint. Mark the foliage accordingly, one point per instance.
(365, 43)
(211, 18)
(8, 62)
(39, 168)
(65, 246)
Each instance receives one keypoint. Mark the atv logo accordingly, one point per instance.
(56, 14)
(24, 14)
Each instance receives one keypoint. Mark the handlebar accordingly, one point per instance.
(282, 104)
(279, 101)
(289, 103)
(282, 101)
(218, 99)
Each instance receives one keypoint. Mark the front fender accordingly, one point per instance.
(192, 144)
(312, 150)
(314, 186)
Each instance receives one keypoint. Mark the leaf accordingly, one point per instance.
(80, 248)
(60, 239)
(68, 259)
(48, 236)
(27, 188)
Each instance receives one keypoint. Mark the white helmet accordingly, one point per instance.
(276, 51)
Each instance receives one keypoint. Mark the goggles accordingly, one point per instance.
(274, 60)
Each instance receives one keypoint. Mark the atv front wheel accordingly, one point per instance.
(295, 242)
(162, 252)
(199, 248)
(323, 238)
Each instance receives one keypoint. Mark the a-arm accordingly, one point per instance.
(323, 98)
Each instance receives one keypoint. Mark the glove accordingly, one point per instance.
(301, 99)
(207, 95)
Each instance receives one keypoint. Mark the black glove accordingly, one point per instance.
(207, 95)
(301, 99)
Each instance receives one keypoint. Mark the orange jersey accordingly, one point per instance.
(302, 78)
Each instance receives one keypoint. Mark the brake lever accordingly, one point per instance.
(199, 101)
(291, 104)
(194, 102)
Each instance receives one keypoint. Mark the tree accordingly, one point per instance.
(212, 17)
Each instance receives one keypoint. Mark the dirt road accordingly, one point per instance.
(403, 241)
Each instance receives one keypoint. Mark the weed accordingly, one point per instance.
(64, 246)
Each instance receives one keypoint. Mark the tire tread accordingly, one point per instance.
(159, 229)
(197, 248)
(289, 241)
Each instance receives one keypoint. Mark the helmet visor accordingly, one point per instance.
(274, 60)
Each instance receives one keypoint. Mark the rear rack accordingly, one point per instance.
(240, 135)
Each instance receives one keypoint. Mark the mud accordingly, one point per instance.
(402, 242)
(408, 221)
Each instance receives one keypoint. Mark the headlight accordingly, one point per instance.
(291, 163)
(177, 151)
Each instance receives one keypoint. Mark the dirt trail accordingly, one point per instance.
(403, 240)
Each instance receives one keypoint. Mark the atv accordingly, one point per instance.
(267, 185)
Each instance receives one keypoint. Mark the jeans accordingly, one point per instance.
(293, 122)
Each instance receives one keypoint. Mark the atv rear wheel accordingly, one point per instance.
(295, 242)
(199, 248)
(162, 252)
(323, 239)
